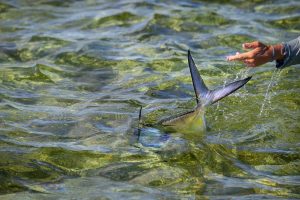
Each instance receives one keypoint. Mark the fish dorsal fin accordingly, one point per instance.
(140, 116)
(137, 130)
(203, 94)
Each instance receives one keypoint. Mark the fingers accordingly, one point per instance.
(257, 56)
(250, 62)
(253, 45)
(240, 56)
(254, 62)
(247, 55)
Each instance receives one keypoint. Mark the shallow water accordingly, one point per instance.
(75, 73)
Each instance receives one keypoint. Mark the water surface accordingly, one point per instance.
(73, 75)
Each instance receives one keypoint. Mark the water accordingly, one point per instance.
(75, 73)
(276, 74)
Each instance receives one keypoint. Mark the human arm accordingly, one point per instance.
(291, 51)
(285, 54)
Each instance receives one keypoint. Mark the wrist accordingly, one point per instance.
(278, 51)
(275, 52)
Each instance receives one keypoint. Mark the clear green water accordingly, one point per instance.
(73, 75)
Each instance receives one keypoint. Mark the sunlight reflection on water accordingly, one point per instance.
(74, 73)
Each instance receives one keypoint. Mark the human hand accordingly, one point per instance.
(259, 55)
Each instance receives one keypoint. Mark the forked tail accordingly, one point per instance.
(203, 94)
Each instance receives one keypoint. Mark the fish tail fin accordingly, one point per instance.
(203, 94)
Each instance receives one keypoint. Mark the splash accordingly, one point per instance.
(267, 97)
(242, 74)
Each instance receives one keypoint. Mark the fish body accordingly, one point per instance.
(189, 122)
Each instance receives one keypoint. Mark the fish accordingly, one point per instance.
(192, 121)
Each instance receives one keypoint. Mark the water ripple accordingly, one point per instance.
(74, 74)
